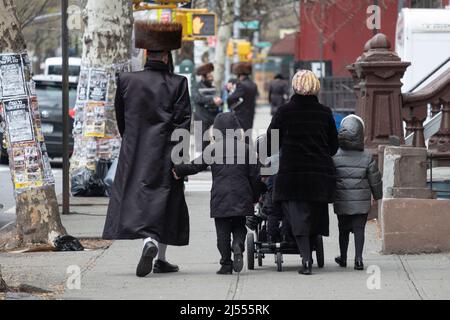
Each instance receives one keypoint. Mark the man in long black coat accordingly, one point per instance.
(146, 201)
(246, 90)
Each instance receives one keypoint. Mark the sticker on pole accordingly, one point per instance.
(18, 120)
(11, 76)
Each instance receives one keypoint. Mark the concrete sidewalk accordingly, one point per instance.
(109, 273)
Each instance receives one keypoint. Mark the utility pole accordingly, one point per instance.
(322, 49)
(237, 26)
(65, 106)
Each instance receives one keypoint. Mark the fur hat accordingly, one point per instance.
(306, 83)
(205, 69)
(158, 36)
(242, 68)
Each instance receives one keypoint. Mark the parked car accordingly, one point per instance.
(49, 94)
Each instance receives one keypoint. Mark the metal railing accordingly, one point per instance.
(431, 181)
(338, 94)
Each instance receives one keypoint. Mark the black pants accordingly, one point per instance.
(357, 225)
(225, 228)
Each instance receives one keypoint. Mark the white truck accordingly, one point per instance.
(423, 38)
(53, 66)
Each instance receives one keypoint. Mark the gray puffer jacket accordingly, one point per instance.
(358, 176)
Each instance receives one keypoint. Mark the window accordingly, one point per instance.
(427, 4)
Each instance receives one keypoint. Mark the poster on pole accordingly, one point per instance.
(11, 76)
(18, 120)
(94, 120)
(98, 85)
(36, 115)
(26, 168)
(83, 85)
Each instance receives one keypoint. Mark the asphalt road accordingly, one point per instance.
(7, 192)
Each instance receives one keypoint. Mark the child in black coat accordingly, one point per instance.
(234, 191)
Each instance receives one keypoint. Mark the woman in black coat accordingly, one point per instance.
(306, 182)
(234, 190)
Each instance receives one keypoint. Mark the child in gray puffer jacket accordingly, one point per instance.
(358, 178)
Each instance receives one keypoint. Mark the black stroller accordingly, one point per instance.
(260, 244)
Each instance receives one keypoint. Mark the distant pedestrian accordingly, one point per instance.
(246, 90)
(147, 202)
(358, 178)
(207, 103)
(234, 191)
(279, 92)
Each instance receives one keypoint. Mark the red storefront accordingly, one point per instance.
(345, 31)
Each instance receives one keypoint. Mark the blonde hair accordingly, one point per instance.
(306, 83)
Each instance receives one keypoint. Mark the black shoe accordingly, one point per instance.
(164, 267)
(341, 262)
(238, 261)
(226, 269)
(359, 265)
(146, 263)
(306, 269)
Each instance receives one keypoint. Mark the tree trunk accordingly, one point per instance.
(38, 219)
(106, 47)
(223, 36)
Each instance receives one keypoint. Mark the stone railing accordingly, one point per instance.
(377, 76)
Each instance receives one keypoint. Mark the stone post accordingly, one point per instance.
(380, 71)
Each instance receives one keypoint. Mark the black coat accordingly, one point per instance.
(235, 186)
(248, 91)
(205, 108)
(308, 140)
(279, 92)
(146, 200)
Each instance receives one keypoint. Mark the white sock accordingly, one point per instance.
(162, 252)
(147, 240)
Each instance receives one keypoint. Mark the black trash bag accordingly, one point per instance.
(86, 183)
(67, 243)
(79, 182)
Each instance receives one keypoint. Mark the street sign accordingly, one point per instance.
(204, 24)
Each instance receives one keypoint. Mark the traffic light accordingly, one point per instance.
(245, 51)
(186, 21)
(204, 24)
(230, 48)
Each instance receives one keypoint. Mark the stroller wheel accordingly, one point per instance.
(279, 261)
(260, 259)
(251, 251)
(320, 252)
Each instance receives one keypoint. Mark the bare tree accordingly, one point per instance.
(27, 10)
(38, 219)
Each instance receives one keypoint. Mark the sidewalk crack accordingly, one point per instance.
(408, 275)
(236, 286)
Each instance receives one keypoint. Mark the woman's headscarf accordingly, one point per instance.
(306, 83)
